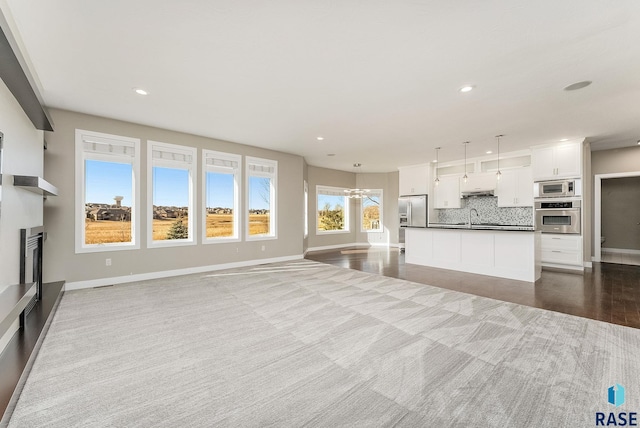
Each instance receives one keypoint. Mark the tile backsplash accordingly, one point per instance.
(488, 212)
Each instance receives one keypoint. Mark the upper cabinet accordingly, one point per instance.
(478, 182)
(447, 192)
(560, 161)
(414, 180)
(515, 188)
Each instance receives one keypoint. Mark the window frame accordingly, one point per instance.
(193, 216)
(373, 192)
(305, 190)
(273, 191)
(81, 155)
(237, 182)
(334, 191)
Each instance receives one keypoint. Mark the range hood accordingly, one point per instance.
(477, 193)
(479, 184)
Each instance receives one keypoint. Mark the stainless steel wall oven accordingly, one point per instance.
(558, 217)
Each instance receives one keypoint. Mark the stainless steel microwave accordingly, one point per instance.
(558, 217)
(557, 188)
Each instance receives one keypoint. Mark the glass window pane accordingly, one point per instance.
(331, 212)
(259, 205)
(220, 203)
(108, 198)
(170, 203)
(371, 212)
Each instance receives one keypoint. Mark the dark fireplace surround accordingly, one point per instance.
(31, 243)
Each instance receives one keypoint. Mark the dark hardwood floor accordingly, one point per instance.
(608, 292)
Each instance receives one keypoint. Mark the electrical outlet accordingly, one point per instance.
(237, 250)
(107, 262)
(264, 247)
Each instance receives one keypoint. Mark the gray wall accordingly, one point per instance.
(329, 177)
(608, 162)
(388, 182)
(61, 262)
(621, 213)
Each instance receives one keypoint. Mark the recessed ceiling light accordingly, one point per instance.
(489, 152)
(141, 91)
(435, 161)
(467, 88)
(639, 142)
(319, 138)
(564, 139)
(578, 85)
(331, 154)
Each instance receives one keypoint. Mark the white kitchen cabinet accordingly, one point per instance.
(414, 180)
(447, 193)
(561, 161)
(562, 251)
(515, 188)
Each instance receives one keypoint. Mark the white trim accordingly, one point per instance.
(191, 167)
(597, 214)
(588, 264)
(334, 191)
(237, 182)
(373, 244)
(305, 191)
(80, 215)
(620, 251)
(380, 194)
(250, 164)
(101, 282)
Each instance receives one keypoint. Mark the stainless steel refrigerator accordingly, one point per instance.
(413, 213)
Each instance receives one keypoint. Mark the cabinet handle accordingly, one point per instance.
(555, 251)
(556, 238)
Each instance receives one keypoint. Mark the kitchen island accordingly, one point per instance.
(512, 254)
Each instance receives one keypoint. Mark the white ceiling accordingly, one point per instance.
(378, 79)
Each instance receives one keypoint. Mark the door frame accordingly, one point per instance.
(597, 215)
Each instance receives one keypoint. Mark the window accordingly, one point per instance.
(221, 184)
(261, 198)
(371, 211)
(170, 195)
(333, 210)
(107, 192)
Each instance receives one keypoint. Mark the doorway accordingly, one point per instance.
(617, 218)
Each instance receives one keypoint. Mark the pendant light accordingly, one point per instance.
(498, 174)
(437, 180)
(356, 193)
(465, 178)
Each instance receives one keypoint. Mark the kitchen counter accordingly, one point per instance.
(483, 226)
(512, 254)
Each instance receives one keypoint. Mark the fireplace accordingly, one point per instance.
(31, 242)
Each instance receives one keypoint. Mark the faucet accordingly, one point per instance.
(477, 215)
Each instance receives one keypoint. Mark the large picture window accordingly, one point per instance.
(371, 211)
(261, 198)
(221, 184)
(107, 192)
(332, 210)
(170, 195)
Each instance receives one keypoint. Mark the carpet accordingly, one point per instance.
(308, 344)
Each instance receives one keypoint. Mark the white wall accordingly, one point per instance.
(22, 155)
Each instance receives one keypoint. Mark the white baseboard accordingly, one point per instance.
(101, 282)
(619, 251)
(588, 264)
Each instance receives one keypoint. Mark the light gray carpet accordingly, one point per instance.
(307, 344)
